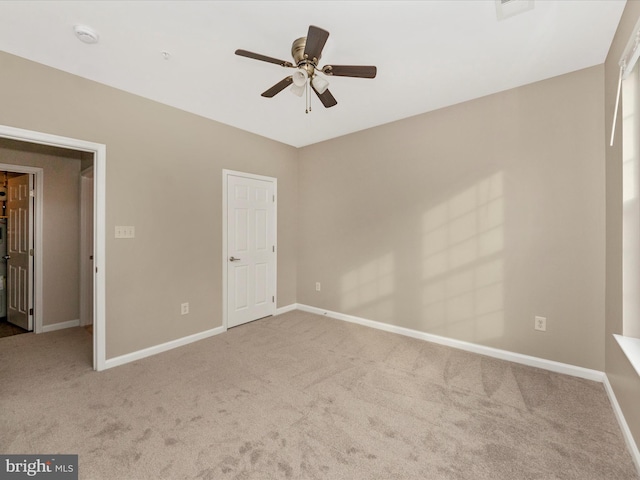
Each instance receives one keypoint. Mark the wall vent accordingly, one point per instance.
(509, 8)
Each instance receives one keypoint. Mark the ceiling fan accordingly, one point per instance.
(306, 53)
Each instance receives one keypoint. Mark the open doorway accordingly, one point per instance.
(88, 153)
(43, 202)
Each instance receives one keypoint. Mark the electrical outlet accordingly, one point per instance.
(317, 286)
(540, 323)
(184, 308)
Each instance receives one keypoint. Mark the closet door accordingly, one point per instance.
(18, 252)
(251, 234)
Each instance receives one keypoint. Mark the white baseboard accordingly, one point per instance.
(550, 365)
(287, 308)
(147, 352)
(59, 326)
(163, 347)
(624, 426)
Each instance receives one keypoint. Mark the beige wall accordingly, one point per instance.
(61, 224)
(164, 176)
(468, 221)
(623, 378)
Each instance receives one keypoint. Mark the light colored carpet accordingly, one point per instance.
(304, 397)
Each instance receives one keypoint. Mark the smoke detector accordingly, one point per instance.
(86, 34)
(509, 8)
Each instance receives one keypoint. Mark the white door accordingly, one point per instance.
(251, 257)
(19, 264)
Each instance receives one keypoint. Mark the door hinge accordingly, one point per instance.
(32, 193)
(273, 299)
(31, 311)
(273, 249)
(31, 252)
(274, 199)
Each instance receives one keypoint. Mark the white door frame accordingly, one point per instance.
(225, 264)
(35, 226)
(86, 249)
(99, 152)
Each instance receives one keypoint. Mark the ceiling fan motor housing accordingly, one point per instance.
(297, 49)
(297, 52)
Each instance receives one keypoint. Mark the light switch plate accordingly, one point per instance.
(125, 231)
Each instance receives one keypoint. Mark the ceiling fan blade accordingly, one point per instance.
(326, 98)
(359, 71)
(316, 38)
(278, 87)
(264, 58)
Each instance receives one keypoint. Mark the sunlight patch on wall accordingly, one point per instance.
(463, 238)
(369, 287)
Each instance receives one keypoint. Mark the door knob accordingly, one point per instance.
(6, 257)
(233, 259)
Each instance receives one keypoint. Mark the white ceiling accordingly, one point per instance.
(429, 54)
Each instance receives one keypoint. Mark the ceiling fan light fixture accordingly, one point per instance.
(300, 77)
(298, 89)
(320, 84)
